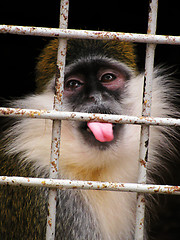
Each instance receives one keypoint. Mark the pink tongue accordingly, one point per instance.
(103, 132)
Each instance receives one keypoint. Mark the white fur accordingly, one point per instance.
(116, 211)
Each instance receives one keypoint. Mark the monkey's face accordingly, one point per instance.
(96, 85)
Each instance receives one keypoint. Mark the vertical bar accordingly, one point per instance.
(146, 111)
(56, 128)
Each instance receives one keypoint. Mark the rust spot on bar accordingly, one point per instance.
(43, 183)
(50, 222)
(142, 162)
(176, 188)
(89, 183)
(73, 115)
(122, 185)
(172, 189)
(53, 163)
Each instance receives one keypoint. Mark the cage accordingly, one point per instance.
(63, 33)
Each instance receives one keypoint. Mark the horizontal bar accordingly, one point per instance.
(89, 185)
(78, 116)
(86, 34)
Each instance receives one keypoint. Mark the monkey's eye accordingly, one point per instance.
(72, 84)
(111, 78)
(108, 77)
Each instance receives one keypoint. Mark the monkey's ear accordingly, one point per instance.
(46, 66)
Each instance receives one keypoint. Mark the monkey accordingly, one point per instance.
(101, 76)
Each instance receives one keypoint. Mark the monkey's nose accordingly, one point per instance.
(96, 97)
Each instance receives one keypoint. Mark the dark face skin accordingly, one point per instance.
(95, 86)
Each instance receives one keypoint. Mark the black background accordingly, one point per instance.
(19, 54)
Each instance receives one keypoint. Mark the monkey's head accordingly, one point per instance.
(95, 82)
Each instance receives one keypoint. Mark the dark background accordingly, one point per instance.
(19, 54)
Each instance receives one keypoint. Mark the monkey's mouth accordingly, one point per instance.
(103, 132)
(99, 134)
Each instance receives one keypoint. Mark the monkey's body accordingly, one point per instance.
(92, 215)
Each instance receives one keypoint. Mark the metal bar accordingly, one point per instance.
(87, 34)
(78, 116)
(89, 185)
(56, 129)
(146, 112)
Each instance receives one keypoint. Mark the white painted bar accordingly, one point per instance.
(89, 185)
(56, 128)
(88, 34)
(146, 112)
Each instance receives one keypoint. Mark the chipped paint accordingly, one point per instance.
(56, 130)
(88, 34)
(146, 112)
(90, 185)
(79, 116)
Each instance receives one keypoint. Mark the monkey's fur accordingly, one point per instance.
(26, 146)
